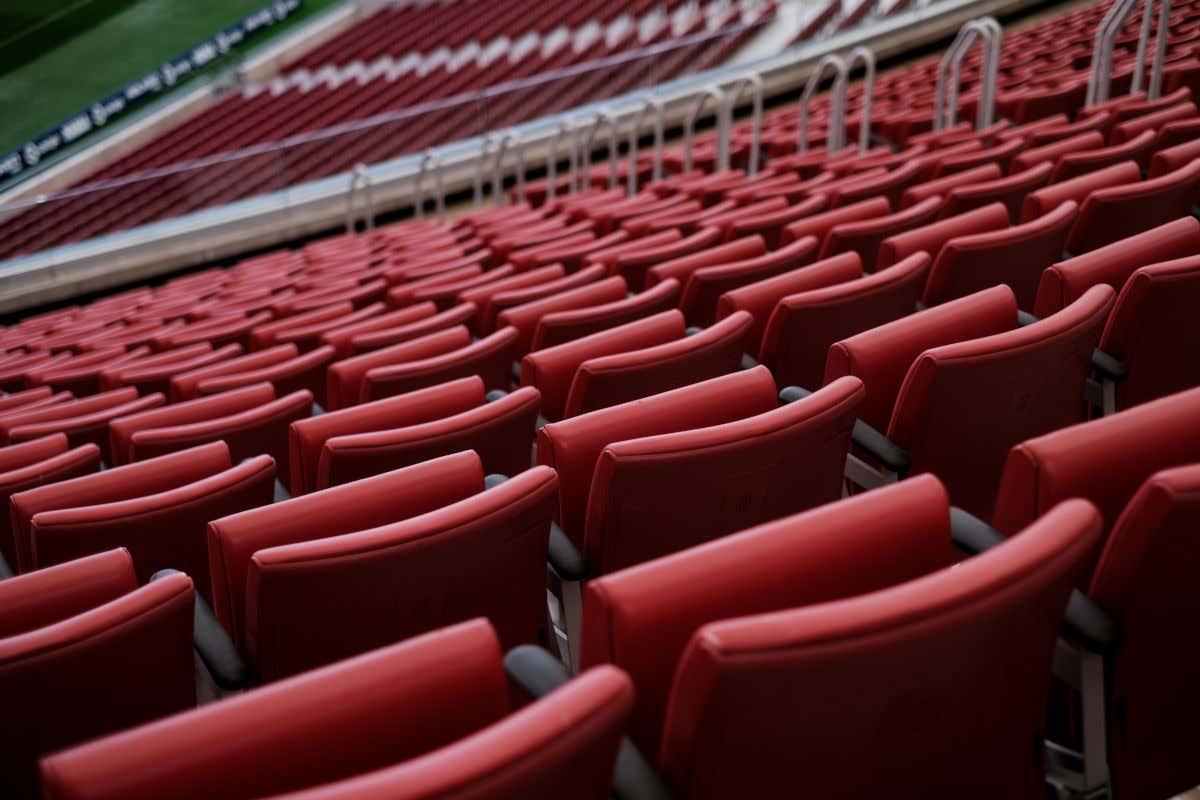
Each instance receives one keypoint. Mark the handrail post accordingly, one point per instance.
(655, 105)
(839, 91)
(480, 165)
(1106, 36)
(1154, 91)
(689, 126)
(602, 116)
(428, 157)
(867, 57)
(361, 174)
(754, 81)
(564, 127)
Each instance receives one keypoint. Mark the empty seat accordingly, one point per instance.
(162, 530)
(499, 431)
(259, 430)
(1009, 190)
(1113, 213)
(1172, 158)
(305, 372)
(490, 358)
(1137, 149)
(932, 236)
(1014, 256)
(339, 338)
(864, 237)
(889, 185)
(770, 224)
(963, 406)
(494, 304)
(150, 375)
(558, 327)
(819, 225)
(1078, 189)
(525, 317)
(185, 385)
(1065, 282)
(346, 377)
(435, 710)
(940, 187)
(681, 268)
(621, 377)
(439, 520)
(642, 619)
(84, 421)
(365, 341)
(632, 261)
(1152, 332)
(1054, 150)
(881, 356)
(804, 325)
(85, 652)
(552, 370)
(153, 477)
(705, 286)
(307, 437)
(759, 298)
(821, 673)
(48, 468)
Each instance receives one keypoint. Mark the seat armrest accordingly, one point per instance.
(1025, 318)
(538, 673)
(5, 570)
(497, 394)
(494, 480)
(1091, 626)
(222, 659)
(971, 534)
(516, 372)
(564, 557)
(790, 394)
(749, 361)
(882, 449)
(1108, 367)
(535, 670)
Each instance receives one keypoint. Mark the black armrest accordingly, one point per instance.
(881, 448)
(790, 394)
(226, 665)
(921, 306)
(971, 534)
(1090, 625)
(1108, 367)
(494, 480)
(536, 671)
(568, 563)
(634, 778)
(496, 394)
(516, 372)
(538, 674)
(5, 570)
(1025, 318)
(692, 330)
(749, 361)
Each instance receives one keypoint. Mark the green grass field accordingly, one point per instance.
(59, 56)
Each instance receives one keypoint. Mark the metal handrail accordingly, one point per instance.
(563, 128)
(430, 155)
(755, 82)
(835, 137)
(513, 139)
(1106, 37)
(945, 109)
(689, 126)
(865, 55)
(655, 105)
(360, 175)
(601, 117)
(485, 148)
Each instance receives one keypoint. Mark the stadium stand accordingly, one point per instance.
(866, 471)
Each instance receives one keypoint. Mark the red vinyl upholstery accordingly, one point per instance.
(69, 464)
(933, 236)
(357, 506)
(1009, 190)
(963, 406)
(184, 385)
(623, 377)
(1065, 282)
(499, 431)
(705, 286)
(525, 317)
(864, 237)
(85, 653)
(315, 601)
(490, 358)
(732, 727)
(1015, 257)
(152, 476)
(804, 325)
(558, 327)
(1113, 213)
(641, 619)
(1078, 189)
(346, 377)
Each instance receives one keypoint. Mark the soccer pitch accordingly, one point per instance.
(59, 56)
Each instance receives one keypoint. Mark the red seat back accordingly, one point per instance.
(122, 656)
(313, 602)
(705, 286)
(641, 619)
(1111, 214)
(490, 358)
(804, 325)
(963, 406)
(342, 720)
(558, 327)
(864, 237)
(756, 698)
(623, 377)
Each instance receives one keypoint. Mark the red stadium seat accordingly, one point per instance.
(932, 236)
(490, 358)
(865, 236)
(1113, 213)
